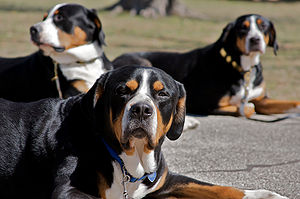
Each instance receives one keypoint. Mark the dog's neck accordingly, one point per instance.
(247, 61)
(81, 63)
(140, 162)
(137, 164)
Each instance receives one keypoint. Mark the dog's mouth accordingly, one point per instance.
(43, 46)
(130, 137)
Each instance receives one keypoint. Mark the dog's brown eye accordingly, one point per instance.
(58, 17)
(163, 94)
(122, 90)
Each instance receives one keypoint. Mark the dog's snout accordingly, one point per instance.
(254, 40)
(34, 30)
(141, 110)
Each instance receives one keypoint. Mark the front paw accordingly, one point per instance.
(190, 123)
(262, 194)
(247, 109)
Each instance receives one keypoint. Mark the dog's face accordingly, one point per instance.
(251, 34)
(67, 26)
(140, 104)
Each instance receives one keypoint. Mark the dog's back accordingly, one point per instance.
(26, 163)
(27, 78)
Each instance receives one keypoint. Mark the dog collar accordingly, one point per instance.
(229, 60)
(246, 75)
(151, 176)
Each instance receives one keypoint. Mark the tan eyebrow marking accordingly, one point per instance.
(259, 21)
(158, 86)
(246, 23)
(45, 15)
(132, 84)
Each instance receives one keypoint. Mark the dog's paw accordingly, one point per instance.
(262, 194)
(247, 109)
(296, 109)
(190, 123)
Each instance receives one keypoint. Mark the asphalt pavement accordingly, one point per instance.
(238, 152)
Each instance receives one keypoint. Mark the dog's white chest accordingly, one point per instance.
(253, 92)
(135, 190)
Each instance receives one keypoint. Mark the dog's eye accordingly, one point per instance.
(122, 90)
(58, 17)
(163, 94)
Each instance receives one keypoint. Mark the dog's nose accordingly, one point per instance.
(33, 30)
(254, 40)
(141, 110)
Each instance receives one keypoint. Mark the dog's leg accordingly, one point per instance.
(63, 188)
(235, 110)
(177, 186)
(271, 106)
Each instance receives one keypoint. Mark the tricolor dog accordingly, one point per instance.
(69, 60)
(225, 77)
(103, 144)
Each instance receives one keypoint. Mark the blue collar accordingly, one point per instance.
(151, 176)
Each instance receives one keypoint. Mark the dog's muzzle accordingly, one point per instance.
(139, 123)
(256, 44)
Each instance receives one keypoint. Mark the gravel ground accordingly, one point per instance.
(238, 152)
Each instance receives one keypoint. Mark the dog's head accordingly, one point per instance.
(67, 26)
(138, 104)
(250, 34)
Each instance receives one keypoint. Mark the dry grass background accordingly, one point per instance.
(125, 33)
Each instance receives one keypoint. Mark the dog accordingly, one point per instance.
(224, 77)
(105, 143)
(69, 60)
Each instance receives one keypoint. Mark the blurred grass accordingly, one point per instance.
(125, 33)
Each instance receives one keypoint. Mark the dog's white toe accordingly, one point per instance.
(262, 194)
(190, 123)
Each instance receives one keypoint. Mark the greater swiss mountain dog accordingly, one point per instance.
(70, 59)
(106, 143)
(226, 76)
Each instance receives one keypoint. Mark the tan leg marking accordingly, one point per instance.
(102, 186)
(196, 191)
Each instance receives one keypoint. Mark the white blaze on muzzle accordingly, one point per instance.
(49, 31)
(142, 96)
(254, 32)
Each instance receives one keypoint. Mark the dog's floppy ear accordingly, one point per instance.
(272, 38)
(99, 33)
(179, 115)
(224, 36)
(91, 98)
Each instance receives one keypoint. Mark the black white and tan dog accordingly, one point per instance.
(106, 143)
(225, 77)
(69, 60)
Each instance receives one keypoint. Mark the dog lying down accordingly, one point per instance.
(103, 144)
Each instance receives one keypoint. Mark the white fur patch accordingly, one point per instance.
(135, 190)
(87, 71)
(253, 93)
(262, 194)
(249, 60)
(255, 32)
(142, 95)
(190, 123)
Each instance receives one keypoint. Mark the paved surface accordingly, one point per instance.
(238, 152)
